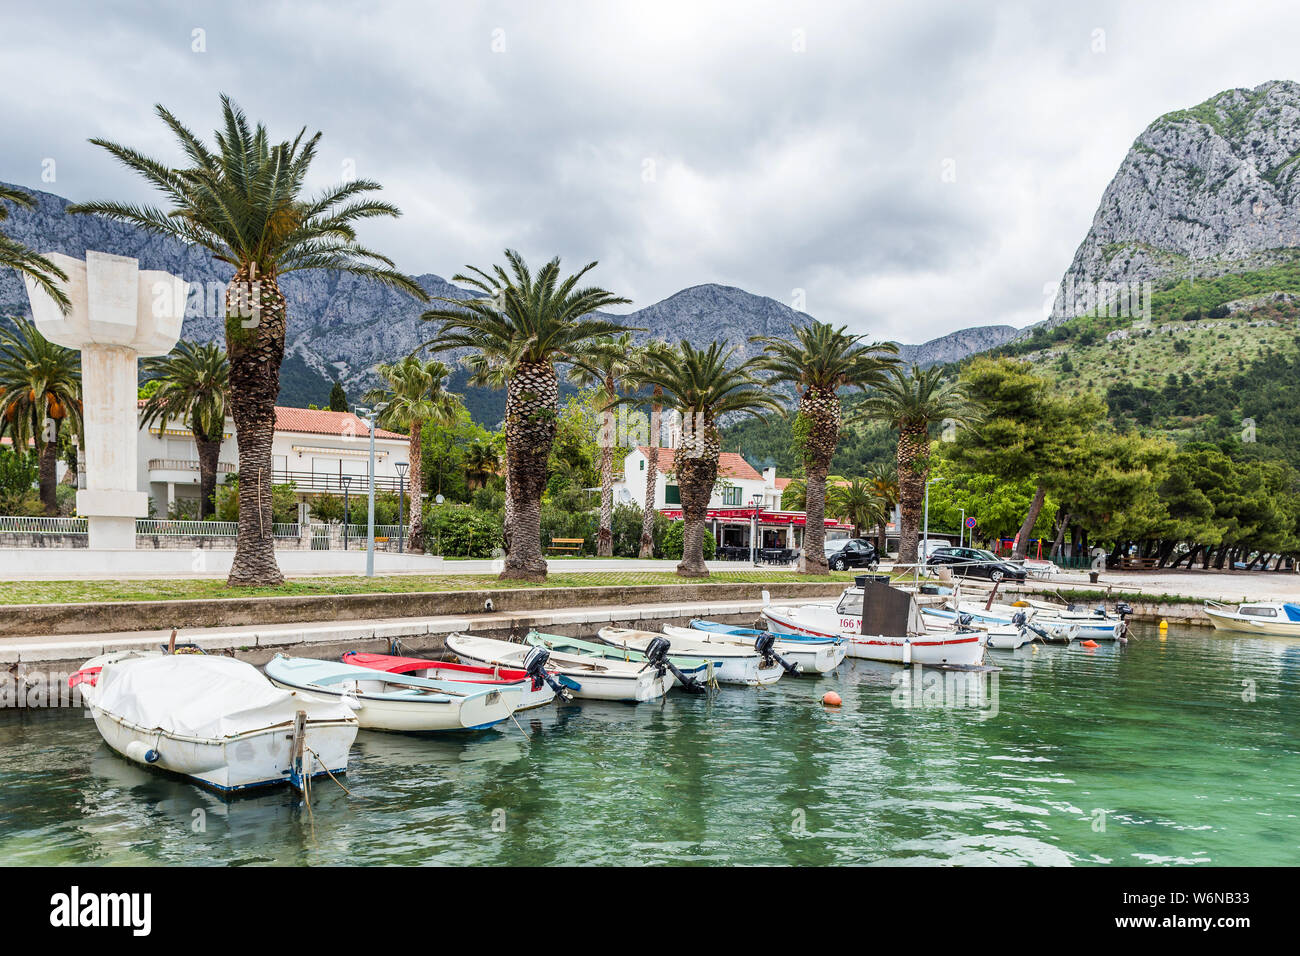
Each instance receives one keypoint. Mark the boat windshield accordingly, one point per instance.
(1258, 610)
(850, 602)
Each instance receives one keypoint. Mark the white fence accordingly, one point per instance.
(151, 527)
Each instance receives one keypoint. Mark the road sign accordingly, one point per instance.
(970, 522)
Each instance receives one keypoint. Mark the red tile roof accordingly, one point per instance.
(311, 421)
(783, 483)
(315, 422)
(730, 464)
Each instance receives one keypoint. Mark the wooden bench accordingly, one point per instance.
(1132, 563)
(567, 544)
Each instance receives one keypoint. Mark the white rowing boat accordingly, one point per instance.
(586, 677)
(215, 720)
(731, 663)
(398, 702)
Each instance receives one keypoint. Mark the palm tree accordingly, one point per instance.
(642, 362)
(857, 503)
(702, 386)
(194, 387)
(14, 255)
(608, 364)
(883, 478)
(482, 463)
(40, 392)
(910, 402)
(521, 326)
(245, 205)
(416, 393)
(819, 360)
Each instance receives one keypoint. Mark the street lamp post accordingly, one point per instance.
(347, 513)
(961, 530)
(756, 500)
(925, 535)
(370, 414)
(401, 467)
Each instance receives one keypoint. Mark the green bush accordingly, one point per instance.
(461, 531)
(284, 502)
(670, 545)
(558, 523)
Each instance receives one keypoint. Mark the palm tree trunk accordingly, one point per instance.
(532, 396)
(1031, 518)
(647, 549)
(49, 469)
(415, 456)
(913, 450)
(822, 412)
(508, 517)
(255, 348)
(209, 455)
(605, 537)
(696, 465)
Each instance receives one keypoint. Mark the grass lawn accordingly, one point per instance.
(179, 589)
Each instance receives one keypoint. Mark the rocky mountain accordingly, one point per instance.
(342, 326)
(1203, 192)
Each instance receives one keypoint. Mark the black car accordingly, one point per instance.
(974, 563)
(851, 553)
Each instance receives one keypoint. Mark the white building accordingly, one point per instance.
(743, 501)
(315, 450)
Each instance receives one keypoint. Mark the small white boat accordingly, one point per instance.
(812, 655)
(911, 645)
(731, 663)
(215, 720)
(1265, 617)
(586, 677)
(384, 701)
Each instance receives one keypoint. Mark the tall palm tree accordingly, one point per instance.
(819, 360)
(910, 402)
(702, 385)
(642, 362)
(415, 394)
(245, 204)
(40, 393)
(32, 265)
(521, 325)
(194, 387)
(883, 478)
(606, 363)
(857, 503)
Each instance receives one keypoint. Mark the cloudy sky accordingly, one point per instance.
(912, 167)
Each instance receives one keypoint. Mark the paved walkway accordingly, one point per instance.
(79, 647)
(1230, 586)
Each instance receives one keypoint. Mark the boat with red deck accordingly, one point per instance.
(536, 693)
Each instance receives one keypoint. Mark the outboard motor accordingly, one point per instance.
(1123, 609)
(535, 667)
(765, 644)
(656, 656)
(1099, 611)
(1021, 620)
(964, 619)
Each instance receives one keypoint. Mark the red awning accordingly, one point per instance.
(780, 519)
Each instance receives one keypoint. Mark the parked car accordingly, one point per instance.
(977, 563)
(848, 553)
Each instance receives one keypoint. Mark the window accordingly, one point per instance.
(1259, 611)
(672, 495)
(731, 496)
(642, 464)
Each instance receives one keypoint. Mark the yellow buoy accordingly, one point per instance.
(1164, 625)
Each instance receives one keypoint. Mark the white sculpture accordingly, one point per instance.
(118, 315)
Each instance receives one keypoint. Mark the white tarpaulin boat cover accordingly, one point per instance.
(192, 695)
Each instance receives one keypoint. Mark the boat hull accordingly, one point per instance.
(440, 670)
(583, 684)
(963, 650)
(1229, 622)
(232, 764)
(437, 715)
(729, 664)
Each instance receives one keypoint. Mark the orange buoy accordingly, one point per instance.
(831, 699)
(1087, 643)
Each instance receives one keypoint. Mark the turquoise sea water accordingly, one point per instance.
(1163, 751)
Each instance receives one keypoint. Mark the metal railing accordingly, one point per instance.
(17, 524)
(185, 464)
(333, 483)
(166, 527)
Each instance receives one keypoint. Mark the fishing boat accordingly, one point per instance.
(812, 655)
(1267, 617)
(906, 642)
(732, 663)
(692, 674)
(215, 720)
(1059, 621)
(384, 701)
(999, 637)
(583, 676)
(537, 692)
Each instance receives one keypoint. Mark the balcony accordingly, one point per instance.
(182, 470)
(320, 482)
